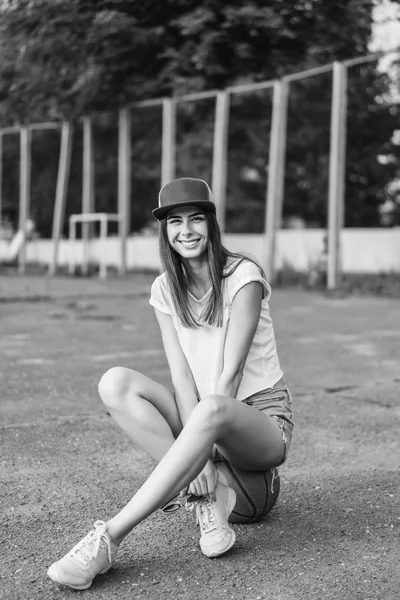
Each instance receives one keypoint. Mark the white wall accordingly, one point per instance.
(363, 250)
(372, 251)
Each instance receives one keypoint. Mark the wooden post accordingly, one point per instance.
(337, 174)
(24, 190)
(124, 183)
(220, 155)
(276, 174)
(87, 188)
(64, 164)
(168, 141)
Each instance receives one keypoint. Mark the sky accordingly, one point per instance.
(387, 29)
(386, 35)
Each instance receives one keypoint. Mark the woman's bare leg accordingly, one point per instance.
(145, 410)
(244, 438)
(215, 420)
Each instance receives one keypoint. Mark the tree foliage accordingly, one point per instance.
(62, 59)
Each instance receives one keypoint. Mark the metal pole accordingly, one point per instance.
(148, 103)
(13, 129)
(43, 126)
(87, 189)
(280, 190)
(24, 191)
(250, 87)
(103, 240)
(61, 192)
(220, 155)
(308, 73)
(1, 182)
(168, 141)
(72, 238)
(337, 173)
(370, 57)
(124, 182)
(276, 174)
(197, 96)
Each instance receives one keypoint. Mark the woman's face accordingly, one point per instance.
(187, 231)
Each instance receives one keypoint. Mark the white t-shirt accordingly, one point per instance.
(204, 346)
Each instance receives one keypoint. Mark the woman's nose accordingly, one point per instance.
(186, 228)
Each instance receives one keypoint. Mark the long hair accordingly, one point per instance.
(221, 264)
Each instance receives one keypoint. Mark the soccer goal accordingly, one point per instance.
(87, 219)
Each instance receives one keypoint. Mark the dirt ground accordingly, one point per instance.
(334, 533)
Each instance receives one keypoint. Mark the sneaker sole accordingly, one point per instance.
(210, 553)
(53, 575)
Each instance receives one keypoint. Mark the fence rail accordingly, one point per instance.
(276, 167)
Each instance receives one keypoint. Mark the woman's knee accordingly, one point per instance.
(213, 411)
(115, 385)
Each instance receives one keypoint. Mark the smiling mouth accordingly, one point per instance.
(189, 243)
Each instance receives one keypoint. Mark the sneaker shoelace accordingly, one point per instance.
(88, 548)
(206, 515)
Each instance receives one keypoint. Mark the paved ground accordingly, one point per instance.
(334, 533)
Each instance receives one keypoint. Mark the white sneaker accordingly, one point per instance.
(216, 535)
(92, 556)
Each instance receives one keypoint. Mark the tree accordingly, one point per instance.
(65, 58)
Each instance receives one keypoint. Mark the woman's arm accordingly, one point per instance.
(245, 314)
(182, 378)
(186, 396)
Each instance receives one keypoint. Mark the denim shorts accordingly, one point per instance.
(277, 403)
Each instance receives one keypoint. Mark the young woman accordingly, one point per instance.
(212, 309)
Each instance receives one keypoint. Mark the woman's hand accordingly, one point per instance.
(205, 482)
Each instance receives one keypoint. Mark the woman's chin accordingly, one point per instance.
(191, 253)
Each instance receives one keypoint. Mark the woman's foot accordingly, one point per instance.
(217, 537)
(92, 556)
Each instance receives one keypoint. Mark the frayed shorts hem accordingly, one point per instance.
(276, 403)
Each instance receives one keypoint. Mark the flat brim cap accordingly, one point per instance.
(184, 192)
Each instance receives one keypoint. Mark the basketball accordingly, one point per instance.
(256, 491)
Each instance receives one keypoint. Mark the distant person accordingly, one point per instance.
(229, 402)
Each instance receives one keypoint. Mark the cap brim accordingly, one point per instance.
(161, 212)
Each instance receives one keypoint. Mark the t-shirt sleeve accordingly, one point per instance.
(245, 273)
(159, 297)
